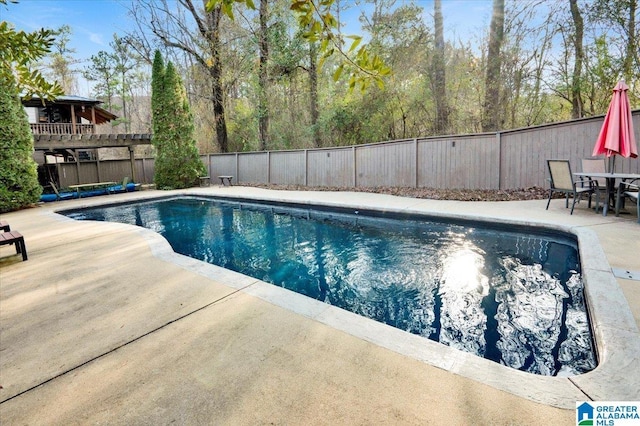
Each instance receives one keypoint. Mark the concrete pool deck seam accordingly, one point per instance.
(423, 349)
(129, 342)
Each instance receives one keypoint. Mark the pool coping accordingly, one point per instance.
(616, 335)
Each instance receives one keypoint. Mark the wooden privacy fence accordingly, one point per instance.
(505, 160)
(73, 159)
(80, 172)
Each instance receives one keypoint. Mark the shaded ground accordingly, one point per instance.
(533, 193)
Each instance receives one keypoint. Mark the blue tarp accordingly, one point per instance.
(67, 195)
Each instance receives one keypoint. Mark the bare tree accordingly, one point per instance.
(313, 93)
(633, 51)
(621, 16)
(183, 26)
(529, 32)
(125, 64)
(577, 104)
(263, 77)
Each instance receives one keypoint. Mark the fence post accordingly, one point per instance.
(97, 151)
(415, 152)
(75, 154)
(355, 167)
(132, 159)
(499, 139)
(306, 167)
(144, 172)
(237, 168)
(268, 167)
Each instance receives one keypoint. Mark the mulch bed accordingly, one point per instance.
(533, 193)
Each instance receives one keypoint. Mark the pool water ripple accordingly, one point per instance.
(515, 298)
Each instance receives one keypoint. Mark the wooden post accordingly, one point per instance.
(499, 139)
(268, 167)
(93, 118)
(98, 165)
(355, 167)
(75, 154)
(306, 167)
(237, 169)
(415, 152)
(144, 174)
(73, 119)
(132, 158)
(58, 173)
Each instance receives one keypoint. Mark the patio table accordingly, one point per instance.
(611, 183)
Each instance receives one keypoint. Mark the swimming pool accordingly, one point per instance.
(512, 296)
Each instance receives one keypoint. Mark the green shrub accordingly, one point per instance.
(177, 163)
(19, 185)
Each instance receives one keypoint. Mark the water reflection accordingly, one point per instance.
(530, 310)
(463, 286)
(510, 297)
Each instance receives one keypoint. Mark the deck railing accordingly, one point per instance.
(61, 129)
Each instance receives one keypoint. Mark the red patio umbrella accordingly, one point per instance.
(616, 136)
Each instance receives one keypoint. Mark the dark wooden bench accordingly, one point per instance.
(4, 225)
(205, 180)
(14, 237)
(227, 178)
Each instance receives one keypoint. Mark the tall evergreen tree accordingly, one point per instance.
(177, 163)
(19, 185)
(158, 111)
(158, 115)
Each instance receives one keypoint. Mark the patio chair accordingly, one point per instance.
(562, 181)
(594, 165)
(129, 186)
(628, 190)
(123, 187)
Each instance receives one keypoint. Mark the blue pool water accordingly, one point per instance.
(511, 296)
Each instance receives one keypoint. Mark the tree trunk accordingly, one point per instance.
(263, 107)
(123, 94)
(438, 73)
(492, 112)
(577, 104)
(313, 93)
(215, 71)
(632, 44)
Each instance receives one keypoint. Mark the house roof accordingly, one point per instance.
(102, 115)
(35, 101)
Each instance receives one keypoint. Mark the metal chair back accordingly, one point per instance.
(594, 165)
(561, 177)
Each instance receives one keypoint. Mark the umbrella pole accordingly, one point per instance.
(612, 164)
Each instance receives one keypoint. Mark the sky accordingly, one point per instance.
(93, 22)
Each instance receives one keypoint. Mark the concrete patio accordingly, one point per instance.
(105, 324)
